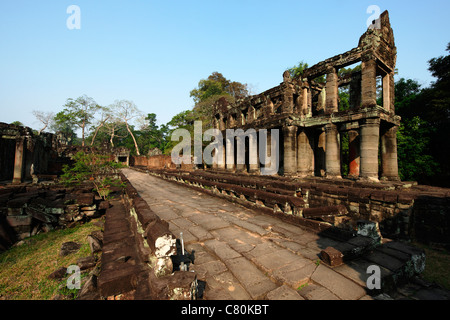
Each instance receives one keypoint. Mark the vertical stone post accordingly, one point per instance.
(290, 150)
(320, 162)
(332, 152)
(368, 82)
(369, 135)
(230, 153)
(18, 161)
(253, 157)
(304, 105)
(355, 91)
(305, 154)
(387, 92)
(240, 147)
(353, 153)
(221, 157)
(332, 91)
(389, 162)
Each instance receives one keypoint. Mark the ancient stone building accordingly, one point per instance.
(310, 124)
(25, 155)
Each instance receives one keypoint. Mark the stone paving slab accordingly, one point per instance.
(244, 254)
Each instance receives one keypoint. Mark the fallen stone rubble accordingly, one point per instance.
(29, 210)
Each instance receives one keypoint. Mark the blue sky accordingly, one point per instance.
(155, 52)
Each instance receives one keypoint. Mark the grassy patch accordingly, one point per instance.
(437, 265)
(24, 269)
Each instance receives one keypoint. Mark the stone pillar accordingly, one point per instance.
(319, 158)
(353, 154)
(386, 93)
(290, 150)
(19, 161)
(368, 82)
(332, 152)
(221, 157)
(305, 155)
(230, 153)
(369, 135)
(332, 91)
(253, 158)
(355, 91)
(240, 147)
(389, 162)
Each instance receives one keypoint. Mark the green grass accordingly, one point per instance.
(437, 266)
(24, 269)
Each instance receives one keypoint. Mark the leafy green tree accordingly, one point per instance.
(62, 125)
(92, 168)
(80, 112)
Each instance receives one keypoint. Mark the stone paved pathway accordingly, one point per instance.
(243, 254)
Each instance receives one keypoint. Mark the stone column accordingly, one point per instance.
(221, 157)
(290, 150)
(388, 103)
(332, 91)
(240, 148)
(230, 153)
(19, 161)
(389, 162)
(355, 91)
(332, 152)
(368, 82)
(353, 154)
(253, 158)
(320, 154)
(305, 155)
(369, 135)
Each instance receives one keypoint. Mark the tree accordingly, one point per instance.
(297, 71)
(105, 116)
(62, 124)
(80, 112)
(45, 118)
(126, 111)
(215, 85)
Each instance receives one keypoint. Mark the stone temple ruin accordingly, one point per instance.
(360, 211)
(306, 113)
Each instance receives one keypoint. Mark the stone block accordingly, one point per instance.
(332, 257)
(17, 221)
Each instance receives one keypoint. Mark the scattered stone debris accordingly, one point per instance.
(69, 248)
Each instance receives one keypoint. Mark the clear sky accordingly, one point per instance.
(155, 52)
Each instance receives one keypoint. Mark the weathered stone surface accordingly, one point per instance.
(69, 248)
(342, 287)
(284, 293)
(58, 274)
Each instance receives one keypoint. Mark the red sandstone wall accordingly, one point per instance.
(156, 162)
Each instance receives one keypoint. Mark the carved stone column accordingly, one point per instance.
(368, 82)
(19, 161)
(369, 135)
(353, 153)
(290, 150)
(253, 157)
(221, 158)
(305, 155)
(230, 153)
(331, 91)
(389, 162)
(332, 152)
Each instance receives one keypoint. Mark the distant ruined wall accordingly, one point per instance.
(157, 162)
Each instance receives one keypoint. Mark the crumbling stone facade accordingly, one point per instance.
(25, 155)
(310, 124)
